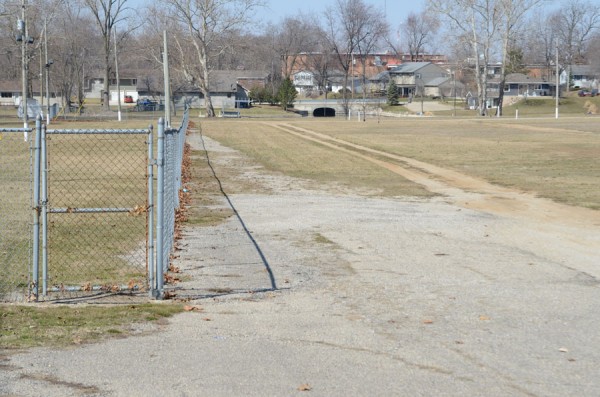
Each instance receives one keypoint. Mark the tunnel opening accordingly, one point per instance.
(324, 112)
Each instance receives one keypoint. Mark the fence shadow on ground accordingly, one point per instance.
(195, 293)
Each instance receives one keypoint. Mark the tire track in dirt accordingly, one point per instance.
(575, 226)
(459, 188)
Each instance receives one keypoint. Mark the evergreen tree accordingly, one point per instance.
(515, 63)
(392, 93)
(287, 94)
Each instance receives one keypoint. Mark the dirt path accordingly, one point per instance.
(579, 226)
(372, 296)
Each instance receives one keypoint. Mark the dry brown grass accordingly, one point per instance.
(557, 159)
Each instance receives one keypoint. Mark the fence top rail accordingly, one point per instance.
(16, 129)
(98, 131)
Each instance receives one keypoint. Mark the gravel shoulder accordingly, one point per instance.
(331, 293)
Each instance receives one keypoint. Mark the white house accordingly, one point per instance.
(583, 76)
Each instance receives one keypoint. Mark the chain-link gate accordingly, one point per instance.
(77, 211)
(15, 214)
(94, 198)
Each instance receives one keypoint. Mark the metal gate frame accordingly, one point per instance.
(42, 208)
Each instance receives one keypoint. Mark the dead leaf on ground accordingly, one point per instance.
(484, 318)
(563, 350)
(427, 321)
(304, 387)
(190, 308)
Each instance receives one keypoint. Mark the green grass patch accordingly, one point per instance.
(320, 239)
(25, 326)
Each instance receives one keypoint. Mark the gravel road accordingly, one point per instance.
(331, 293)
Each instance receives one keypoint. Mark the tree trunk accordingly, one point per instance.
(106, 93)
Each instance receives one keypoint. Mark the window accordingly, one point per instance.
(418, 76)
(506, 87)
(6, 95)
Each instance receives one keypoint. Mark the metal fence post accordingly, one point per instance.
(36, 207)
(44, 209)
(160, 189)
(150, 214)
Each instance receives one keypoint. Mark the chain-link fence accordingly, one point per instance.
(171, 143)
(15, 214)
(77, 212)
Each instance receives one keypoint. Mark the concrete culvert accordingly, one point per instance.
(324, 112)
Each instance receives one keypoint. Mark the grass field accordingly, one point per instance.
(556, 159)
(552, 158)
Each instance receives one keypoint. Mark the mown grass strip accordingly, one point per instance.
(25, 326)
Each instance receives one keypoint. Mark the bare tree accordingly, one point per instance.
(107, 14)
(513, 14)
(349, 25)
(594, 55)
(291, 37)
(321, 63)
(576, 23)
(418, 31)
(72, 51)
(539, 42)
(206, 21)
(478, 21)
(377, 30)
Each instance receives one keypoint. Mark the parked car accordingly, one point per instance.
(593, 92)
(128, 99)
(149, 105)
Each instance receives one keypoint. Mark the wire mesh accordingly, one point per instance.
(97, 205)
(15, 215)
(174, 143)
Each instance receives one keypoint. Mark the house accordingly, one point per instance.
(228, 89)
(413, 75)
(380, 81)
(307, 82)
(10, 93)
(519, 85)
(441, 87)
(373, 62)
(94, 88)
(582, 76)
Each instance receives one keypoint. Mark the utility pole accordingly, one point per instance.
(557, 80)
(166, 78)
(23, 31)
(117, 76)
(48, 63)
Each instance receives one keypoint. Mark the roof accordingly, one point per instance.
(409, 67)
(11, 86)
(437, 81)
(584, 70)
(223, 80)
(381, 76)
(521, 78)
